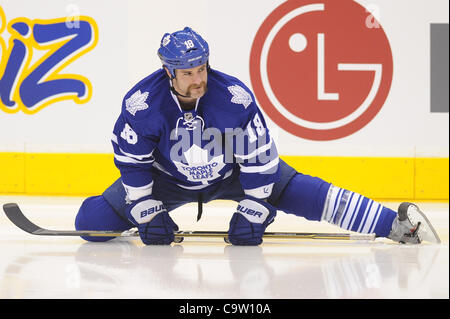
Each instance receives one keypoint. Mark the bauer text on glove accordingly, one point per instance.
(155, 225)
(249, 222)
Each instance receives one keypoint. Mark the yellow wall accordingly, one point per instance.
(88, 174)
(381, 177)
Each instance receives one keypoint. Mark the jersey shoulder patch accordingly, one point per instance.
(136, 102)
(240, 95)
(232, 91)
(145, 96)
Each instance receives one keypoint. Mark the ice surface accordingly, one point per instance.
(68, 267)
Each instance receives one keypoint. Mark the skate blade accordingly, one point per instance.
(178, 240)
(426, 231)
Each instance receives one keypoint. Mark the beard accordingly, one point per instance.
(201, 86)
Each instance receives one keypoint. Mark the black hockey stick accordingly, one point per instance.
(15, 214)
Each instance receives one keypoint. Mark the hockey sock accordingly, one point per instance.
(355, 212)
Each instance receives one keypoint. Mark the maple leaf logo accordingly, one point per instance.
(136, 102)
(240, 96)
(199, 168)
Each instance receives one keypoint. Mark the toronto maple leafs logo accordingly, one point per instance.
(136, 102)
(199, 168)
(240, 96)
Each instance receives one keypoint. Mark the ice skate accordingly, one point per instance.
(412, 226)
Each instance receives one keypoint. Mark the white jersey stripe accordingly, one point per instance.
(260, 168)
(126, 159)
(138, 157)
(256, 152)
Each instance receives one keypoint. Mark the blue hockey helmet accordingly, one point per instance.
(183, 49)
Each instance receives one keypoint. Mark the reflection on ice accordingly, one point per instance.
(127, 269)
(49, 267)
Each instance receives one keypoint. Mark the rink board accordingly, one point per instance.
(86, 174)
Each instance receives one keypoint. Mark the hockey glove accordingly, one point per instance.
(150, 216)
(249, 222)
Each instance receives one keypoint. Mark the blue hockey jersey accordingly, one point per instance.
(193, 148)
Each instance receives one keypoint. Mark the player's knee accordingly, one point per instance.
(304, 196)
(89, 217)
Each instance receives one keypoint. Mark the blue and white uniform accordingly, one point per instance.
(193, 149)
(219, 149)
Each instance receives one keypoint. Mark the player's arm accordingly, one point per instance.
(256, 153)
(257, 156)
(133, 157)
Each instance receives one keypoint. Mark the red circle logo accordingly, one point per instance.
(321, 70)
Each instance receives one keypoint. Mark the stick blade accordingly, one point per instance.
(16, 216)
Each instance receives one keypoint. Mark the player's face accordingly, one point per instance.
(191, 82)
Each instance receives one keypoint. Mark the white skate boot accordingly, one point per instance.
(412, 226)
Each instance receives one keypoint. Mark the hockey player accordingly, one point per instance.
(189, 133)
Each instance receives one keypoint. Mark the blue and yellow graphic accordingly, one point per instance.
(30, 87)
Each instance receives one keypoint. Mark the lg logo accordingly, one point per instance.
(319, 70)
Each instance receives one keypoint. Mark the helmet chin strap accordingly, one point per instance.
(176, 93)
(183, 105)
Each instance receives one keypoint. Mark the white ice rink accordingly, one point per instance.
(68, 267)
